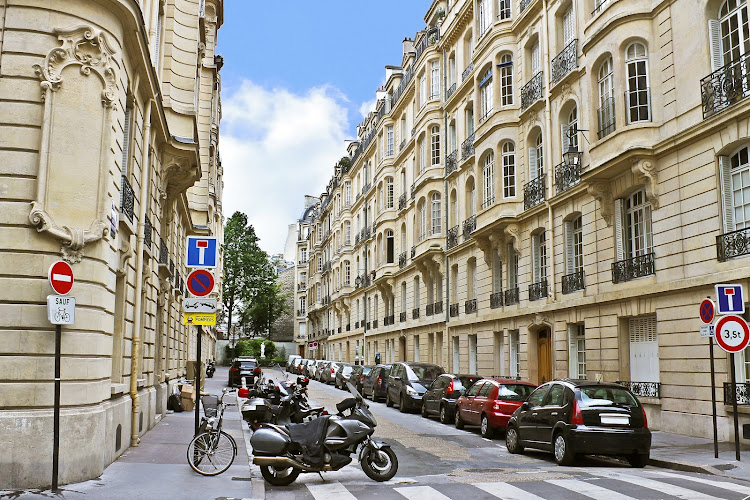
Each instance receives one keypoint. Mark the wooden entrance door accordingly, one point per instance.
(544, 357)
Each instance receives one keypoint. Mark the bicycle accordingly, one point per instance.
(212, 450)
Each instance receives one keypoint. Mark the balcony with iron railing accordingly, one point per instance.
(163, 252)
(147, 230)
(450, 91)
(467, 72)
(429, 309)
(734, 244)
(574, 282)
(496, 300)
(301, 287)
(389, 320)
(643, 389)
(415, 313)
(564, 62)
(567, 174)
(452, 237)
(402, 201)
(430, 38)
(632, 268)
(413, 252)
(402, 316)
(453, 310)
(538, 290)
(374, 324)
(439, 307)
(470, 306)
(405, 79)
(741, 393)
(488, 202)
(726, 86)
(532, 91)
(402, 260)
(467, 147)
(606, 115)
(524, 4)
(469, 225)
(534, 192)
(127, 199)
(511, 296)
(450, 163)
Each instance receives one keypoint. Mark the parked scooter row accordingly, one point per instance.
(281, 404)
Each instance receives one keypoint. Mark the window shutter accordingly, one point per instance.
(535, 255)
(569, 248)
(532, 163)
(714, 39)
(125, 141)
(565, 140)
(647, 220)
(572, 351)
(726, 193)
(619, 244)
(157, 42)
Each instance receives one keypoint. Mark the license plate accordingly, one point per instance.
(615, 419)
(250, 407)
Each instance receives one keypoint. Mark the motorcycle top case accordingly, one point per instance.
(257, 410)
(269, 442)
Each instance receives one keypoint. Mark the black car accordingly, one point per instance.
(359, 373)
(572, 417)
(407, 383)
(243, 368)
(440, 397)
(342, 375)
(374, 385)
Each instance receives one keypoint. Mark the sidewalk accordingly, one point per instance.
(693, 454)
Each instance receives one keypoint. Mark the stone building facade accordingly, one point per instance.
(109, 160)
(548, 189)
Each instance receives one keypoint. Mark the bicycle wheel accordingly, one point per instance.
(211, 453)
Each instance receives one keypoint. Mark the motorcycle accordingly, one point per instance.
(324, 444)
(292, 407)
(210, 369)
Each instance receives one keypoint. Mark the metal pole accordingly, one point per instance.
(56, 417)
(734, 409)
(198, 381)
(713, 398)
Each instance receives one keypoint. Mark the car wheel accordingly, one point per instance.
(638, 460)
(563, 451)
(388, 401)
(485, 428)
(458, 421)
(424, 411)
(402, 404)
(512, 442)
(444, 415)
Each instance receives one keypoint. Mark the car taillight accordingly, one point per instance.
(449, 390)
(333, 371)
(257, 370)
(234, 369)
(361, 378)
(380, 379)
(645, 420)
(577, 415)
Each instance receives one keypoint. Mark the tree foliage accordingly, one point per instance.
(267, 307)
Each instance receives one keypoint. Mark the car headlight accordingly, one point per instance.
(411, 392)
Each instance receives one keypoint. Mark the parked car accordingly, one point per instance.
(328, 373)
(440, 398)
(342, 375)
(308, 369)
(317, 368)
(290, 362)
(302, 365)
(406, 384)
(359, 373)
(489, 403)
(243, 367)
(374, 385)
(572, 417)
(295, 366)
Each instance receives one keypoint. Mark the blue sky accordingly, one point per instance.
(296, 79)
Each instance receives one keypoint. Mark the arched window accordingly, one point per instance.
(488, 180)
(435, 214)
(569, 130)
(506, 80)
(453, 219)
(638, 93)
(422, 219)
(606, 99)
(389, 246)
(730, 40)
(485, 95)
(435, 145)
(470, 197)
(536, 158)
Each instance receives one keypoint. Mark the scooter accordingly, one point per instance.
(210, 369)
(324, 444)
(292, 407)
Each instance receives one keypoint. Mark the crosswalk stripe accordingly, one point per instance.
(667, 488)
(718, 484)
(421, 492)
(588, 489)
(506, 491)
(330, 491)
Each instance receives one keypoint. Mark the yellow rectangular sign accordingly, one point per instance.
(199, 318)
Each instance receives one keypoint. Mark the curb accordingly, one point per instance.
(258, 484)
(689, 467)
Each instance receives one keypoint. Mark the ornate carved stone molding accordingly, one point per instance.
(645, 172)
(514, 232)
(73, 240)
(126, 253)
(602, 193)
(540, 321)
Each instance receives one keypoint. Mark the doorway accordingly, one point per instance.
(544, 358)
(402, 348)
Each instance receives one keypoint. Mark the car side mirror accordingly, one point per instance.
(525, 405)
(395, 377)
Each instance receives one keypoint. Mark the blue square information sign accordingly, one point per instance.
(202, 251)
(729, 299)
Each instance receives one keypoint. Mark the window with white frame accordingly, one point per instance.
(577, 351)
(469, 121)
(435, 79)
(729, 35)
(435, 214)
(606, 99)
(488, 179)
(303, 255)
(515, 353)
(347, 273)
(638, 95)
(568, 26)
(503, 8)
(422, 155)
(633, 226)
(318, 295)
(539, 249)
(403, 296)
(416, 293)
(735, 186)
(348, 193)
(435, 145)
(422, 219)
(644, 349)
(389, 192)
(320, 263)
(473, 354)
(416, 348)
(389, 140)
(471, 277)
(574, 245)
(509, 170)
(512, 262)
(302, 306)
(569, 131)
(506, 80)
(535, 65)
(389, 246)
(456, 351)
(484, 16)
(497, 272)
(452, 144)
(536, 158)
(347, 233)
(422, 90)
(485, 95)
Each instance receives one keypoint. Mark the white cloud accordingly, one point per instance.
(277, 147)
(366, 107)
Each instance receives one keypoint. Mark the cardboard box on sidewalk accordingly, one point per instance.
(187, 395)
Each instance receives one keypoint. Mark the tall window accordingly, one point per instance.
(515, 353)
(435, 79)
(512, 267)
(569, 32)
(471, 277)
(347, 273)
(389, 250)
(506, 80)
(535, 58)
(606, 99)
(455, 352)
(422, 155)
(435, 214)
(389, 192)
(452, 137)
(416, 292)
(569, 131)
(126, 126)
(422, 219)
(644, 349)
(488, 180)
(435, 145)
(536, 158)
(320, 263)
(539, 243)
(735, 184)
(633, 226)
(503, 9)
(469, 121)
(403, 297)
(577, 352)
(473, 354)
(389, 140)
(302, 307)
(574, 245)
(509, 170)
(485, 95)
(497, 273)
(638, 93)
(484, 15)
(416, 348)
(303, 255)
(730, 37)
(422, 90)
(347, 233)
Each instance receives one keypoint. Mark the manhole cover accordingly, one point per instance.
(725, 466)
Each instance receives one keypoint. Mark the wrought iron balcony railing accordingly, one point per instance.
(374, 323)
(429, 309)
(467, 71)
(534, 192)
(511, 296)
(496, 300)
(469, 226)
(127, 199)
(532, 91)
(635, 267)
(348, 327)
(439, 307)
(402, 145)
(574, 282)
(470, 306)
(402, 201)
(606, 116)
(564, 62)
(402, 316)
(415, 313)
(301, 287)
(389, 320)
(402, 260)
(450, 91)
(538, 290)
(429, 38)
(368, 325)
(338, 330)
(147, 230)
(453, 310)
(405, 79)
(467, 147)
(524, 4)
(163, 252)
(741, 393)
(488, 202)
(413, 252)
(734, 244)
(356, 325)
(452, 237)
(450, 162)
(643, 389)
(568, 175)
(726, 86)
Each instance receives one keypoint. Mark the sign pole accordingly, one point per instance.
(56, 414)
(734, 409)
(713, 398)
(198, 381)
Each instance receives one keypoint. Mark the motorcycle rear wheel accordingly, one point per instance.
(380, 465)
(279, 477)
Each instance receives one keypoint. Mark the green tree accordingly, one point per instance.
(268, 306)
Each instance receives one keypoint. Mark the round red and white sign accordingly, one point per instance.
(732, 333)
(200, 282)
(61, 277)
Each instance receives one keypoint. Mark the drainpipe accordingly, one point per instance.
(548, 153)
(145, 175)
(446, 204)
(364, 300)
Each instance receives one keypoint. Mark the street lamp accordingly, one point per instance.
(572, 156)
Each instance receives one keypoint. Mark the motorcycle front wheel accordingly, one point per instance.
(380, 465)
(282, 476)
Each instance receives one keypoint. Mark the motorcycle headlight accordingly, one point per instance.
(411, 392)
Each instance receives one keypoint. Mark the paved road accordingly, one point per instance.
(439, 462)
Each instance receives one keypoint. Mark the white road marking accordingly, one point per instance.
(718, 484)
(506, 491)
(421, 493)
(667, 488)
(330, 491)
(588, 489)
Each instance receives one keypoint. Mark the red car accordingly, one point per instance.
(490, 402)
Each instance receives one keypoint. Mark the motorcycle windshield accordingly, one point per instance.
(353, 390)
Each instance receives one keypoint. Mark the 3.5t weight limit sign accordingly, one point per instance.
(732, 333)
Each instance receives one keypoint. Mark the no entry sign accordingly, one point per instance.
(732, 333)
(200, 283)
(61, 277)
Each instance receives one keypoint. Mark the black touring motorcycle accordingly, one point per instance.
(323, 445)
